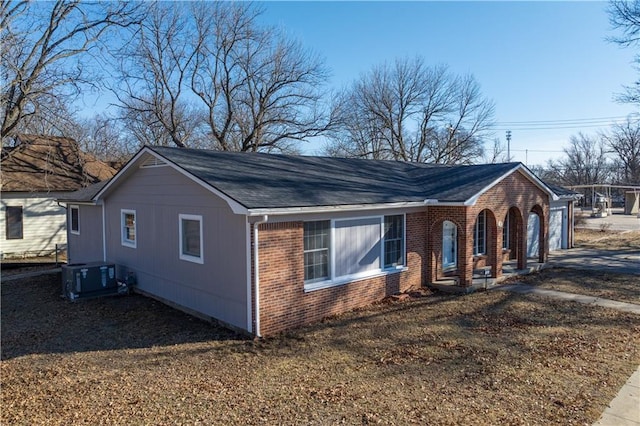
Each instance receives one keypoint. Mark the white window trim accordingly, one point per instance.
(71, 209)
(125, 242)
(476, 229)
(188, 257)
(454, 264)
(333, 281)
(506, 233)
(404, 243)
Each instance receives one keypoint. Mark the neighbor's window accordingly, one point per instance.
(479, 241)
(128, 222)
(393, 241)
(13, 220)
(74, 213)
(316, 250)
(505, 233)
(191, 238)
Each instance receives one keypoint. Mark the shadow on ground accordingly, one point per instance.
(35, 319)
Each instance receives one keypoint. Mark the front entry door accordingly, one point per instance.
(449, 245)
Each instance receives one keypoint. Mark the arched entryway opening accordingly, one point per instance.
(513, 239)
(485, 243)
(535, 235)
(446, 251)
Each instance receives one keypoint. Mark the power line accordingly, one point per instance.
(576, 123)
(570, 120)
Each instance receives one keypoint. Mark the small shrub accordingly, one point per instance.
(604, 227)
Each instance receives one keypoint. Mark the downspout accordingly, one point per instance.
(104, 233)
(256, 272)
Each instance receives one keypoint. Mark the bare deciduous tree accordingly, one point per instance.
(207, 74)
(624, 142)
(585, 163)
(624, 15)
(155, 68)
(411, 112)
(44, 47)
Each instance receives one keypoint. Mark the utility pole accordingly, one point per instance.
(508, 145)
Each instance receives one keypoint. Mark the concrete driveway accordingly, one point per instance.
(620, 261)
(615, 222)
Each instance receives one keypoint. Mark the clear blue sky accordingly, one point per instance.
(538, 61)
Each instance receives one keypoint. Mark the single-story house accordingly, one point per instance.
(265, 243)
(34, 173)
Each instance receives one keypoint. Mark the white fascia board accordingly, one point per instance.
(472, 201)
(80, 203)
(338, 208)
(235, 206)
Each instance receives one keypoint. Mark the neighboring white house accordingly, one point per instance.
(34, 172)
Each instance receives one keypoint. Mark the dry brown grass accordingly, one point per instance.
(597, 239)
(623, 288)
(488, 358)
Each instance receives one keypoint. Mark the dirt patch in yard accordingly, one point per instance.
(607, 240)
(489, 358)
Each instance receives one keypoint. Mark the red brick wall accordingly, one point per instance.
(285, 305)
(514, 191)
(283, 301)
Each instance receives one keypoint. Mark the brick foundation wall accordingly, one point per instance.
(285, 305)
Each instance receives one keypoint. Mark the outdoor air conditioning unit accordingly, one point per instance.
(92, 279)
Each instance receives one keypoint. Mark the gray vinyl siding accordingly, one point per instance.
(87, 245)
(357, 246)
(218, 287)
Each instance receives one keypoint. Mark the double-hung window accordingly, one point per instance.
(505, 233)
(13, 221)
(341, 250)
(316, 250)
(74, 219)
(128, 225)
(191, 241)
(479, 235)
(393, 241)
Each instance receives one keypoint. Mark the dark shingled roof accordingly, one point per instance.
(563, 192)
(84, 194)
(258, 180)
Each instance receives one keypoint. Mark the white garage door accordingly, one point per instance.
(557, 228)
(533, 232)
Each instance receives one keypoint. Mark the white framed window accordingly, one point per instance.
(128, 227)
(505, 233)
(479, 234)
(191, 238)
(393, 241)
(316, 251)
(74, 219)
(343, 250)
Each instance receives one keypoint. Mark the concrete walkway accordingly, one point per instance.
(580, 298)
(624, 409)
(624, 261)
